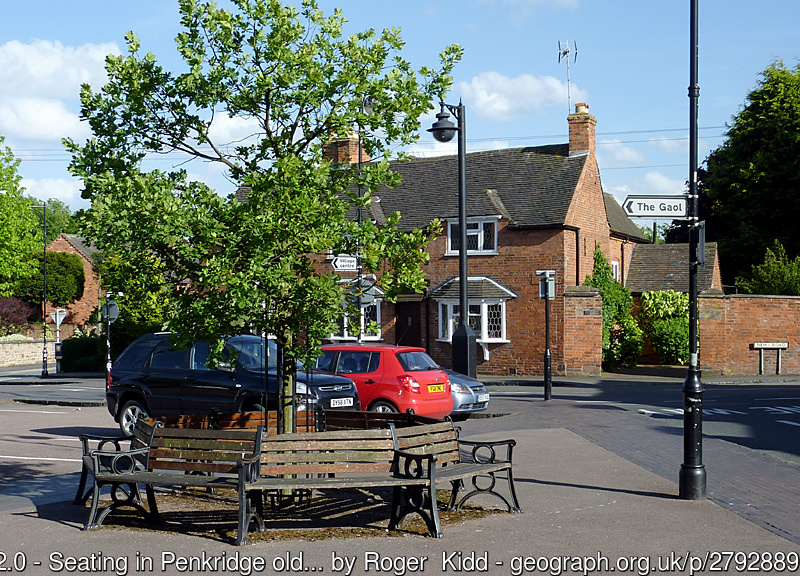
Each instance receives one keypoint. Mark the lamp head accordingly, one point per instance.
(443, 129)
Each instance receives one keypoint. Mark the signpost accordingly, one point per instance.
(345, 263)
(547, 292)
(672, 207)
(58, 317)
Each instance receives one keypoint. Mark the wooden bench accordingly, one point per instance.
(456, 460)
(182, 457)
(351, 459)
(306, 421)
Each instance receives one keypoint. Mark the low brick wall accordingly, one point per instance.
(24, 353)
(730, 325)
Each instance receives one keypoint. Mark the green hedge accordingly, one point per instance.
(84, 354)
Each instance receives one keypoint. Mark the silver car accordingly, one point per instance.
(469, 395)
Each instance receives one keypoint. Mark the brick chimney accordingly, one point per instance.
(344, 150)
(581, 130)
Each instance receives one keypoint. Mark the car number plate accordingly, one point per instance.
(483, 397)
(435, 387)
(339, 402)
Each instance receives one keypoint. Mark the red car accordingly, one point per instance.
(391, 378)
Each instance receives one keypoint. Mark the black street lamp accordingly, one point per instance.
(692, 478)
(43, 206)
(464, 353)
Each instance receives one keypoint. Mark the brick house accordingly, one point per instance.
(79, 312)
(536, 208)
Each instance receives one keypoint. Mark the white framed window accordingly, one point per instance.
(615, 270)
(369, 313)
(487, 318)
(481, 236)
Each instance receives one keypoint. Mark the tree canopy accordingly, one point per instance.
(749, 191)
(289, 75)
(19, 236)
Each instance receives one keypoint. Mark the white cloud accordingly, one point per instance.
(40, 119)
(500, 98)
(233, 130)
(613, 153)
(658, 183)
(66, 190)
(680, 145)
(50, 69)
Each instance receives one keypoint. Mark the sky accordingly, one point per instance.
(629, 61)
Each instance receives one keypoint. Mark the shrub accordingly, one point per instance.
(622, 337)
(14, 315)
(664, 318)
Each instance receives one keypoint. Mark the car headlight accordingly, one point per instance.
(457, 387)
(301, 388)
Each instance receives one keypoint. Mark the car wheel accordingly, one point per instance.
(383, 406)
(253, 408)
(131, 411)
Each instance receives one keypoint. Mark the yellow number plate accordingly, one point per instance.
(435, 387)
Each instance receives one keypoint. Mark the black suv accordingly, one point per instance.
(152, 377)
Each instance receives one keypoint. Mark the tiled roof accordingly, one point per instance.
(619, 222)
(87, 250)
(478, 288)
(656, 267)
(532, 187)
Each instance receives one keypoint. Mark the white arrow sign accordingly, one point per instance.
(673, 207)
(345, 263)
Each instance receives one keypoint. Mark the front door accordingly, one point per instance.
(409, 329)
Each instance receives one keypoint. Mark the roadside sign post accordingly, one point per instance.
(110, 313)
(650, 206)
(547, 292)
(58, 317)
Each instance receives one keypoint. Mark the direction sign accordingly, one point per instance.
(345, 263)
(672, 207)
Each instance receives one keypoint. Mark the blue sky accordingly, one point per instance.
(632, 69)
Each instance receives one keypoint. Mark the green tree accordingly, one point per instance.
(140, 289)
(65, 280)
(664, 319)
(622, 337)
(749, 193)
(19, 235)
(777, 274)
(249, 263)
(59, 217)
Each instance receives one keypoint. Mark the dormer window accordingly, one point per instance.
(481, 236)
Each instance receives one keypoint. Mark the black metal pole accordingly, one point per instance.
(692, 483)
(44, 302)
(463, 296)
(548, 374)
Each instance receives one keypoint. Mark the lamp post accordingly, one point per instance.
(43, 206)
(464, 339)
(692, 478)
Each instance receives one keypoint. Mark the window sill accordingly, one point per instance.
(472, 253)
(479, 341)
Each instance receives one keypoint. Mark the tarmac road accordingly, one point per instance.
(595, 479)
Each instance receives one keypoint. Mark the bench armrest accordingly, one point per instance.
(408, 465)
(119, 461)
(249, 468)
(91, 442)
(487, 452)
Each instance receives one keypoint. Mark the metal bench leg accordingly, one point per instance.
(80, 496)
(419, 499)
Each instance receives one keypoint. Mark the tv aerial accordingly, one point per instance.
(563, 54)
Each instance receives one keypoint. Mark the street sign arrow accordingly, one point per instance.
(671, 207)
(345, 263)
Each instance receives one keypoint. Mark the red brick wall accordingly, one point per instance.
(78, 313)
(583, 331)
(729, 325)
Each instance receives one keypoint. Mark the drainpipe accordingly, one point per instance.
(577, 256)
